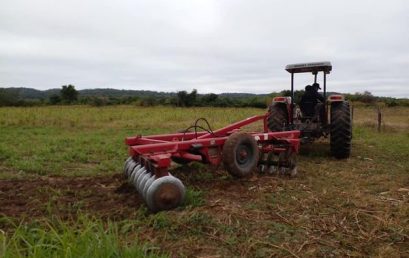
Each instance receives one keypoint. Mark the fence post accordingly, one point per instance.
(379, 119)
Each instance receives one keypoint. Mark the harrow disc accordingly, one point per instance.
(165, 193)
(272, 160)
(141, 175)
(147, 185)
(128, 160)
(131, 166)
(290, 161)
(134, 172)
(142, 182)
(137, 173)
(262, 164)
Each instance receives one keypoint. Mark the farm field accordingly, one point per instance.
(62, 191)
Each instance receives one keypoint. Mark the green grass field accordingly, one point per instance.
(62, 195)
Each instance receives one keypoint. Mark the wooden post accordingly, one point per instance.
(352, 113)
(379, 119)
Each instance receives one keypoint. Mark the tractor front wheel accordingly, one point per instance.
(341, 130)
(240, 154)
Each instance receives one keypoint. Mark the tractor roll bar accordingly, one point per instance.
(313, 68)
(292, 99)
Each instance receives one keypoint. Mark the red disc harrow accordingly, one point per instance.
(240, 152)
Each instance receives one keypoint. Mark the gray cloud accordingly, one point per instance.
(213, 46)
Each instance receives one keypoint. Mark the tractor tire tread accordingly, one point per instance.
(341, 130)
(277, 118)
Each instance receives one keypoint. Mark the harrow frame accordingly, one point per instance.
(154, 153)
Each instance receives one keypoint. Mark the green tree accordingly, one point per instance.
(181, 98)
(367, 97)
(9, 97)
(54, 99)
(209, 99)
(191, 98)
(185, 99)
(69, 94)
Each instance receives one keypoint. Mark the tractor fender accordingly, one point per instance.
(336, 98)
(283, 103)
(286, 100)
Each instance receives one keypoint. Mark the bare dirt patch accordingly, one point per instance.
(110, 196)
(105, 196)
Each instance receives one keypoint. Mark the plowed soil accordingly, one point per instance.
(106, 196)
(110, 196)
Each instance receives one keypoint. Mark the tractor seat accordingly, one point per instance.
(308, 109)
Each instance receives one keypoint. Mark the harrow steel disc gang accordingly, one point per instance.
(159, 193)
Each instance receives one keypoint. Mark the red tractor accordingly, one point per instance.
(310, 115)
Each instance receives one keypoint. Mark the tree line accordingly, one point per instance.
(69, 95)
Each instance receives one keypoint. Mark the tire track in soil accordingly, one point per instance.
(102, 196)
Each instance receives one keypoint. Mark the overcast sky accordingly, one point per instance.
(209, 45)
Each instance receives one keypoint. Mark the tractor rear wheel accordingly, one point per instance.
(240, 154)
(341, 130)
(277, 118)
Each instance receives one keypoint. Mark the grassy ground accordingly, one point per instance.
(60, 166)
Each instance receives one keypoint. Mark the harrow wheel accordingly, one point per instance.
(165, 193)
(240, 154)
